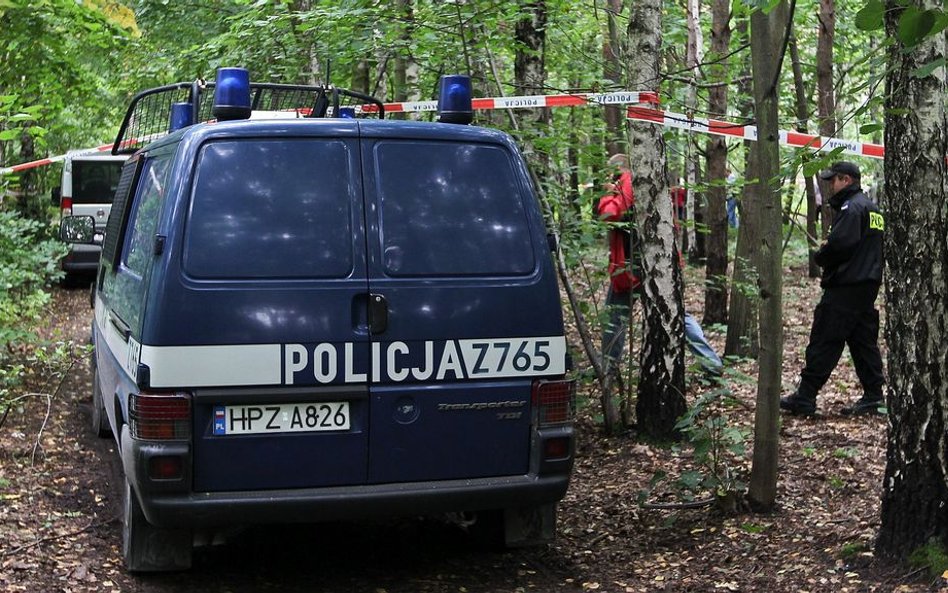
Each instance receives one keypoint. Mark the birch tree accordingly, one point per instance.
(915, 489)
(661, 386)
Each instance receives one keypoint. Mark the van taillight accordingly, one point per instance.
(65, 205)
(160, 417)
(554, 401)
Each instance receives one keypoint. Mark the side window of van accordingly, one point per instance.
(451, 210)
(126, 286)
(145, 211)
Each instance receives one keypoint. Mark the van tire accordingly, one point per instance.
(100, 419)
(146, 548)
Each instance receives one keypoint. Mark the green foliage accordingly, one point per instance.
(715, 446)
(932, 556)
(852, 549)
(29, 258)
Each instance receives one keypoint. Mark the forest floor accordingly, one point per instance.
(60, 528)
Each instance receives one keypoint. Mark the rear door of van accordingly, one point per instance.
(464, 313)
(260, 314)
(93, 183)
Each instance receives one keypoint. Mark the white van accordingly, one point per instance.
(88, 186)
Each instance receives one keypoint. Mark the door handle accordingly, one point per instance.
(378, 314)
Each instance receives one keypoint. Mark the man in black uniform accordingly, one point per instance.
(851, 258)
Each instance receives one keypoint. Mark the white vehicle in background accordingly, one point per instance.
(88, 186)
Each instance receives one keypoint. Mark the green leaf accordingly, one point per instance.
(929, 68)
(870, 128)
(9, 134)
(915, 25)
(691, 479)
(870, 17)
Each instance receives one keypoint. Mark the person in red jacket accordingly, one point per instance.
(617, 207)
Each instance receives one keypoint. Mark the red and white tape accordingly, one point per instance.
(530, 101)
(635, 112)
(722, 128)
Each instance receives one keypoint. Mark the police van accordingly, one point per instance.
(314, 316)
(87, 187)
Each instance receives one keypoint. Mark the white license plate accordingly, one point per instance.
(309, 417)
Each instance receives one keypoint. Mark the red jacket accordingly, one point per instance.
(613, 207)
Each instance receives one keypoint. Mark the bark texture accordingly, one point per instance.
(915, 490)
(826, 94)
(767, 34)
(612, 70)
(661, 388)
(742, 335)
(808, 181)
(715, 299)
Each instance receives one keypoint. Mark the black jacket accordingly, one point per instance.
(852, 253)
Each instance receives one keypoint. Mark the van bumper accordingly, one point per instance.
(82, 258)
(167, 504)
(351, 502)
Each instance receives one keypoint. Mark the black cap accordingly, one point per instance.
(841, 168)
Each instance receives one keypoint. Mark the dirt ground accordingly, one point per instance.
(60, 529)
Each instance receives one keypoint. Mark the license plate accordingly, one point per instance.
(309, 417)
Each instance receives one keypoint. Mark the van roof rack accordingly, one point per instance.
(147, 117)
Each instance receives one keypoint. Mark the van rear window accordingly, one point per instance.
(94, 182)
(268, 209)
(451, 209)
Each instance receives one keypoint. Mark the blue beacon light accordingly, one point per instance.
(181, 116)
(232, 94)
(454, 99)
(347, 112)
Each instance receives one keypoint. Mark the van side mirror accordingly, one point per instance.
(78, 229)
(57, 195)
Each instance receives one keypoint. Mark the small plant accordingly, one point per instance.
(753, 528)
(835, 482)
(713, 441)
(852, 549)
(933, 556)
(846, 453)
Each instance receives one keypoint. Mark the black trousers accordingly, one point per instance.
(844, 316)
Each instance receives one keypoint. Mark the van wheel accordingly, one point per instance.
(147, 548)
(100, 419)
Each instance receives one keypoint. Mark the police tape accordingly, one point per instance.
(483, 104)
(666, 118)
(529, 101)
(722, 128)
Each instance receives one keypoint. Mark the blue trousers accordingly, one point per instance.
(613, 336)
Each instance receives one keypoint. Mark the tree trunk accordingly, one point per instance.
(612, 70)
(767, 33)
(802, 117)
(360, 76)
(742, 327)
(826, 95)
(715, 296)
(916, 246)
(406, 69)
(692, 58)
(661, 388)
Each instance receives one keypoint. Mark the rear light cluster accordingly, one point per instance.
(65, 206)
(554, 401)
(160, 417)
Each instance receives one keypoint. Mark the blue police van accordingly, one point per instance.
(304, 315)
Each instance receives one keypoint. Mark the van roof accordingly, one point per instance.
(82, 155)
(373, 128)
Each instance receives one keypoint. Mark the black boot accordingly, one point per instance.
(798, 405)
(867, 404)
